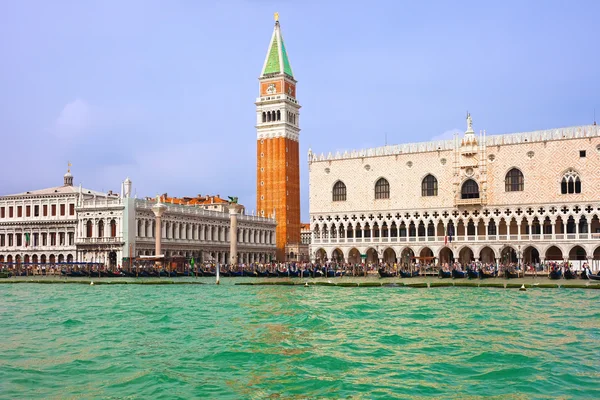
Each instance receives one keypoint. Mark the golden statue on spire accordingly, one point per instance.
(276, 17)
(69, 166)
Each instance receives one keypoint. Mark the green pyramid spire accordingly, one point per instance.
(277, 61)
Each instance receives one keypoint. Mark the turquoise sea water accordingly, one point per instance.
(207, 341)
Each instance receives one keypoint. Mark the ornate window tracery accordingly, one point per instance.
(339, 191)
(382, 189)
(514, 181)
(429, 186)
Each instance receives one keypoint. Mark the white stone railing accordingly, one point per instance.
(199, 211)
(460, 239)
(99, 240)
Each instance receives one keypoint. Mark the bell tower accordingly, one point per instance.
(278, 129)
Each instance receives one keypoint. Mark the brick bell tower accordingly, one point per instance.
(277, 128)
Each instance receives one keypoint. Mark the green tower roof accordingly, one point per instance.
(277, 61)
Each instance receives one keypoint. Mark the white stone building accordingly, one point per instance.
(527, 197)
(72, 224)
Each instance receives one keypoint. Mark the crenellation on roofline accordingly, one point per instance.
(574, 132)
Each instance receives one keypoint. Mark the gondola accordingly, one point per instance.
(385, 274)
(273, 274)
(444, 274)
(262, 274)
(594, 277)
(471, 274)
(555, 274)
(250, 274)
(483, 275)
(570, 274)
(331, 273)
(510, 275)
(409, 274)
(458, 274)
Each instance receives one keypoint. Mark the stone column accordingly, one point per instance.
(234, 210)
(158, 209)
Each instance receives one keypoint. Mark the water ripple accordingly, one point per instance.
(126, 341)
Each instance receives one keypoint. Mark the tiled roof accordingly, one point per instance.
(192, 201)
(57, 190)
(277, 61)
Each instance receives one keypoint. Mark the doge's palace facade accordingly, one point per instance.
(525, 197)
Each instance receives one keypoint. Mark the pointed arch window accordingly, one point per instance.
(470, 190)
(339, 191)
(514, 181)
(382, 189)
(570, 182)
(429, 186)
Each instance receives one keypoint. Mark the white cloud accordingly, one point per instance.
(447, 135)
(74, 119)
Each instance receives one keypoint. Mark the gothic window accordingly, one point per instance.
(264, 117)
(382, 189)
(429, 186)
(278, 115)
(470, 190)
(339, 191)
(514, 181)
(570, 183)
(268, 116)
(492, 228)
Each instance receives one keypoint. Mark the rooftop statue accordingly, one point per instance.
(233, 200)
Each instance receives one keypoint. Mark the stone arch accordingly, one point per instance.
(389, 256)
(446, 255)
(553, 253)
(52, 259)
(466, 255)
(407, 256)
(508, 254)
(320, 255)
(61, 258)
(372, 256)
(487, 255)
(337, 255)
(577, 253)
(426, 255)
(69, 258)
(354, 256)
(34, 259)
(43, 259)
(531, 255)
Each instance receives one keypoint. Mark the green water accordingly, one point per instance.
(207, 341)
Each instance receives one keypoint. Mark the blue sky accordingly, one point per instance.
(164, 91)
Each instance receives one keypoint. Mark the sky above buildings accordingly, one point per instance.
(163, 92)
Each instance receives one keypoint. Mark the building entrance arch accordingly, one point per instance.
(354, 256)
(487, 255)
(321, 255)
(407, 256)
(554, 253)
(389, 256)
(531, 255)
(372, 256)
(465, 255)
(112, 259)
(508, 255)
(446, 256)
(337, 256)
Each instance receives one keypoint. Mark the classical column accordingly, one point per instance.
(158, 209)
(234, 210)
